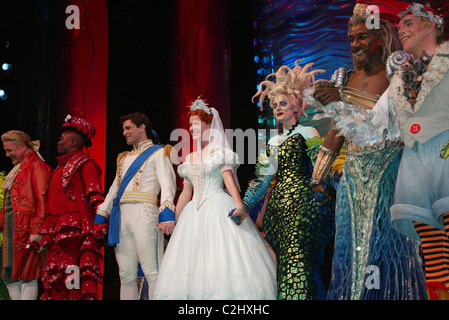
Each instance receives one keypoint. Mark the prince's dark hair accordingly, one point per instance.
(139, 119)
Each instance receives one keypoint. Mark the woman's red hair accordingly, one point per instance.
(203, 115)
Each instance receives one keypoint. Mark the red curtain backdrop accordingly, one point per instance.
(85, 64)
(202, 57)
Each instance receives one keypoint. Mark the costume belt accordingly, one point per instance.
(114, 218)
(358, 98)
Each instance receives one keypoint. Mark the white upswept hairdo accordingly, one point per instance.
(289, 82)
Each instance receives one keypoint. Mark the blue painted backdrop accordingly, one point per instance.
(314, 30)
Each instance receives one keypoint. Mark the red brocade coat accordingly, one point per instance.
(28, 203)
(73, 194)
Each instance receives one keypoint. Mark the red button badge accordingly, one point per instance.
(415, 128)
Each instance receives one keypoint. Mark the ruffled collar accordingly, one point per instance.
(70, 163)
(62, 160)
(436, 71)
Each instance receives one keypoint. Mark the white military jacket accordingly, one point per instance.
(156, 176)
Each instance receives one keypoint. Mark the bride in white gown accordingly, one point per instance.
(212, 255)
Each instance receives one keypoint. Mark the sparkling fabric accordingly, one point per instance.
(296, 225)
(372, 261)
(413, 78)
(208, 256)
(67, 235)
(8, 238)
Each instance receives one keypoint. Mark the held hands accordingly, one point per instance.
(238, 215)
(33, 243)
(166, 227)
(100, 230)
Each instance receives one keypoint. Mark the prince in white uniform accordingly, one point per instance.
(141, 221)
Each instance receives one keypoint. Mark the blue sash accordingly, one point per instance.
(114, 218)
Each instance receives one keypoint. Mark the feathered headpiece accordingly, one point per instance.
(290, 82)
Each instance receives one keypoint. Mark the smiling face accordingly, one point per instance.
(132, 133)
(197, 127)
(284, 110)
(413, 33)
(15, 152)
(364, 45)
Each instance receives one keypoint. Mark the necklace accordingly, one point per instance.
(288, 131)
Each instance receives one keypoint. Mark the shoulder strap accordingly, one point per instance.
(113, 236)
(134, 167)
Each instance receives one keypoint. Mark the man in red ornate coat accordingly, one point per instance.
(72, 270)
(22, 215)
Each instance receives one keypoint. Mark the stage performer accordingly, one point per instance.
(22, 215)
(134, 220)
(215, 252)
(372, 261)
(419, 94)
(4, 294)
(72, 270)
(296, 224)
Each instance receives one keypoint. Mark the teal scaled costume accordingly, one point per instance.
(297, 226)
(372, 261)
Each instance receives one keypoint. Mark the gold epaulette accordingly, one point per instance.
(167, 150)
(172, 153)
(120, 156)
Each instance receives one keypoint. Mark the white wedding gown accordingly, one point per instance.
(209, 257)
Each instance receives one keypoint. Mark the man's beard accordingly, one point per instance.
(360, 61)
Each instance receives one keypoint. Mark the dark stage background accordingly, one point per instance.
(127, 56)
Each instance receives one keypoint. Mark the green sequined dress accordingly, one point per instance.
(297, 226)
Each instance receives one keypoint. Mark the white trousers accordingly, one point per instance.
(138, 243)
(20, 290)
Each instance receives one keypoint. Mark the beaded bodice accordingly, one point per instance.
(205, 176)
